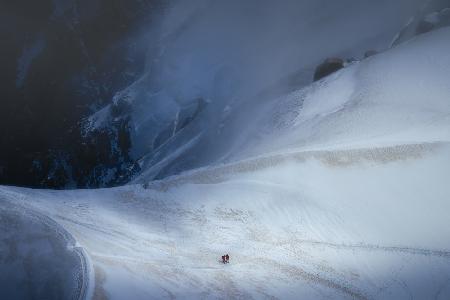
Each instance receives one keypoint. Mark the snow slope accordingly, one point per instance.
(228, 53)
(366, 225)
(39, 259)
(400, 96)
(339, 190)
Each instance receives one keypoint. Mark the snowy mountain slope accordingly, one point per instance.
(373, 229)
(228, 54)
(400, 96)
(339, 190)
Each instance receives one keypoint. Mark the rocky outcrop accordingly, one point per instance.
(62, 60)
(329, 66)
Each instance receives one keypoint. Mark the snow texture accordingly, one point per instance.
(338, 190)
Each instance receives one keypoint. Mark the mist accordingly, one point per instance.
(216, 49)
(231, 53)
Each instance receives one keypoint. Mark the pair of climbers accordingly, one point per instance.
(225, 259)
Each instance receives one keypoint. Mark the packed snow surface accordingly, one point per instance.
(339, 190)
(364, 224)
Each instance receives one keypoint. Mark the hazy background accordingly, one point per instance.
(137, 68)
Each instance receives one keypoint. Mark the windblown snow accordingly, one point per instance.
(338, 190)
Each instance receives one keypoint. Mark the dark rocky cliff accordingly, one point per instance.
(61, 60)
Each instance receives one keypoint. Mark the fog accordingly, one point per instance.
(229, 53)
(215, 49)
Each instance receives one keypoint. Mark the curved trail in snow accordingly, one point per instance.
(84, 280)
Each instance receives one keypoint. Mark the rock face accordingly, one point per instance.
(66, 62)
(329, 66)
(60, 61)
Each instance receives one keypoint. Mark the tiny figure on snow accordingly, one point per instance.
(225, 258)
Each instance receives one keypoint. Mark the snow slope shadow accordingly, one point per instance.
(38, 258)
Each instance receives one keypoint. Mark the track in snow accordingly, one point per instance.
(47, 250)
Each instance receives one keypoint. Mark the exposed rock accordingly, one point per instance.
(62, 60)
(329, 66)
